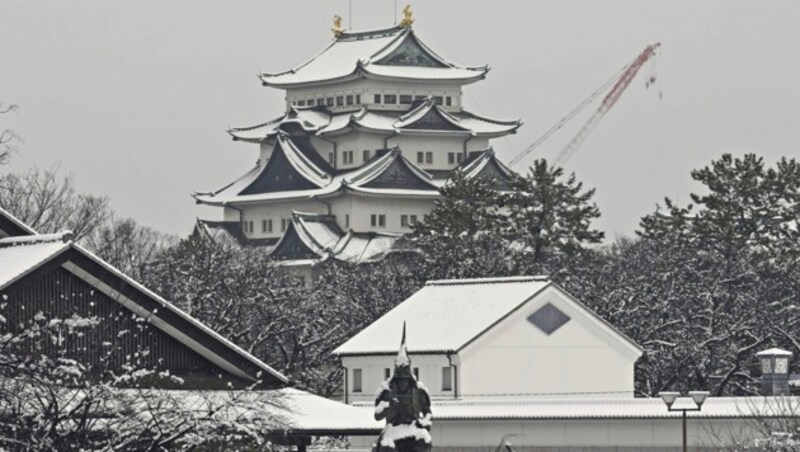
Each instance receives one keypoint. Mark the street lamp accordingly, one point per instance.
(698, 397)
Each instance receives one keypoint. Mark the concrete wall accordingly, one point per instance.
(660, 435)
(516, 357)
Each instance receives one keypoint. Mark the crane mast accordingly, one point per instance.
(609, 101)
(621, 80)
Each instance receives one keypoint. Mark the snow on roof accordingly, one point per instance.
(445, 315)
(309, 412)
(20, 255)
(352, 55)
(320, 121)
(774, 352)
(607, 408)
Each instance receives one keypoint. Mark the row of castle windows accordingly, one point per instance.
(376, 221)
(447, 378)
(348, 157)
(355, 99)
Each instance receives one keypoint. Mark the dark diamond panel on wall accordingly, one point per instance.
(548, 318)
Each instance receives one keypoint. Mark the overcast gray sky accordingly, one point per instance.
(134, 98)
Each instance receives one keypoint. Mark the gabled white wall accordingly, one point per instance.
(373, 368)
(579, 359)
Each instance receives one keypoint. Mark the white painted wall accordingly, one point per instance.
(275, 212)
(367, 90)
(360, 208)
(582, 435)
(516, 357)
(373, 369)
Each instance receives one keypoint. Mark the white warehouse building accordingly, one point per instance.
(520, 360)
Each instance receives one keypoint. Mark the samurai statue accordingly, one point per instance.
(404, 403)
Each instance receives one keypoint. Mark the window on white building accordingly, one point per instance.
(416, 373)
(357, 382)
(331, 158)
(412, 220)
(358, 98)
(437, 100)
(448, 101)
(347, 220)
(429, 157)
(447, 378)
(283, 224)
(301, 103)
(320, 102)
(405, 98)
(451, 158)
(404, 221)
(329, 101)
(389, 99)
(378, 221)
(420, 157)
(350, 99)
(377, 98)
(339, 101)
(459, 158)
(311, 102)
(366, 154)
(387, 373)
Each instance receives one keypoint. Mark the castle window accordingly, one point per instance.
(389, 99)
(387, 373)
(459, 158)
(269, 225)
(301, 103)
(437, 100)
(347, 220)
(350, 99)
(404, 221)
(331, 158)
(448, 101)
(405, 99)
(311, 102)
(366, 154)
(377, 98)
(377, 221)
(429, 157)
(263, 225)
(320, 102)
(420, 157)
(339, 101)
(412, 220)
(357, 382)
(451, 158)
(329, 102)
(283, 224)
(358, 98)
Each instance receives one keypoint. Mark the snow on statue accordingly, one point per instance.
(404, 403)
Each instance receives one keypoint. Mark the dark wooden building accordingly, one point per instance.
(46, 277)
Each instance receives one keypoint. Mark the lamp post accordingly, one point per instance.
(698, 397)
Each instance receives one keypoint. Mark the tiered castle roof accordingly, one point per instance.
(388, 54)
(423, 118)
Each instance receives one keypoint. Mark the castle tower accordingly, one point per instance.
(373, 126)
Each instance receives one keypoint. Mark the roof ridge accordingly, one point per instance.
(64, 236)
(491, 280)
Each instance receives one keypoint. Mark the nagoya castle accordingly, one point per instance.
(373, 127)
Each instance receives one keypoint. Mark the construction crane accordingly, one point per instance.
(621, 80)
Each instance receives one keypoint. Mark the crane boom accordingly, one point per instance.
(609, 101)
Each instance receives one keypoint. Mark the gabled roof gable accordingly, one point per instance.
(295, 245)
(410, 53)
(472, 307)
(486, 166)
(391, 171)
(287, 169)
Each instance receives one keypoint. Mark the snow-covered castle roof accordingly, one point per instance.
(387, 54)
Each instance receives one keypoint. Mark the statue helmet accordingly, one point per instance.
(402, 363)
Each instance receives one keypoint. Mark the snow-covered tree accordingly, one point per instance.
(51, 399)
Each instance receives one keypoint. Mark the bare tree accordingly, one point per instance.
(8, 138)
(50, 203)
